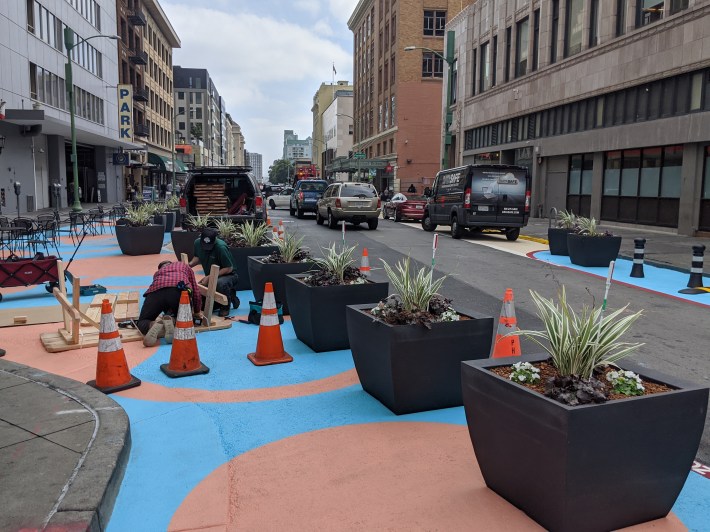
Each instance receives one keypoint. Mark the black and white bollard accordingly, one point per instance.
(637, 268)
(696, 267)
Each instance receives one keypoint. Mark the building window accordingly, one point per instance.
(47, 87)
(473, 72)
(677, 6)
(579, 184)
(620, 17)
(432, 65)
(392, 114)
(494, 61)
(453, 92)
(573, 27)
(536, 39)
(508, 45)
(392, 71)
(89, 9)
(554, 31)
(521, 47)
(485, 75)
(648, 12)
(594, 14)
(434, 23)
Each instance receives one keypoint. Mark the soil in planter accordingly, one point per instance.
(328, 278)
(276, 258)
(392, 312)
(548, 371)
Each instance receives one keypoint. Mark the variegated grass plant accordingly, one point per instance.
(253, 234)
(226, 229)
(588, 227)
(415, 287)
(197, 222)
(139, 216)
(566, 219)
(578, 343)
(336, 262)
(289, 247)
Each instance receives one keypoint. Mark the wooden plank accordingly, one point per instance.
(93, 313)
(57, 342)
(63, 290)
(211, 290)
(217, 297)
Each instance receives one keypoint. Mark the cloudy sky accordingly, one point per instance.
(267, 59)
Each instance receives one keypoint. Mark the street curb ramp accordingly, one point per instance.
(88, 497)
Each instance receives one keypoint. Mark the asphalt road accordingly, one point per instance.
(674, 333)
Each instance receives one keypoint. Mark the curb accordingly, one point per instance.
(87, 499)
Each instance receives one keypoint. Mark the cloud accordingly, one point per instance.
(267, 67)
(342, 10)
(311, 6)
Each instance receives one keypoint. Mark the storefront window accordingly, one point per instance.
(612, 173)
(650, 173)
(706, 178)
(672, 167)
(630, 172)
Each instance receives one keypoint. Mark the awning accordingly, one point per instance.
(165, 164)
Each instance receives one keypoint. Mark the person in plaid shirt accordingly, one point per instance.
(163, 296)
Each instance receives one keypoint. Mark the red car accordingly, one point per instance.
(401, 207)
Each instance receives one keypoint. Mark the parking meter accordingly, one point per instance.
(18, 188)
(56, 192)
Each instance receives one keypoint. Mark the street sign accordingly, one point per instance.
(359, 155)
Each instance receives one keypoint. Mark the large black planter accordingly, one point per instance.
(184, 242)
(410, 368)
(169, 217)
(586, 468)
(318, 312)
(592, 250)
(144, 240)
(241, 266)
(557, 239)
(261, 273)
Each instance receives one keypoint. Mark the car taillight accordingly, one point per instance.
(183, 202)
(379, 203)
(259, 202)
(467, 199)
(300, 196)
(527, 202)
(337, 202)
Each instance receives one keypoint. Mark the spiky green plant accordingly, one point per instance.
(197, 222)
(580, 342)
(226, 229)
(139, 216)
(253, 234)
(173, 202)
(415, 287)
(158, 207)
(336, 262)
(566, 219)
(588, 227)
(289, 247)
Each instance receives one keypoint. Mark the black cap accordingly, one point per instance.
(208, 238)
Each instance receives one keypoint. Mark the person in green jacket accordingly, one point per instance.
(211, 250)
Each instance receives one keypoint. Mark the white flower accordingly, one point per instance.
(521, 378)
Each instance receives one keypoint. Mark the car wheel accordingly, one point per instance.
(512, 234)
(299, 213)
(385, 215)
(397, 216)
(319, 218)
(291, 210)
(332, 221)
(427, 224)
(272, 204)
(456, 229)
(372, 223)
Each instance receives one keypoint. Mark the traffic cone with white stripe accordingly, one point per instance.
(365, 263)
(184, 356)
(507, 346)
(112, 373)
(269, 345)
(274, 233)
(281, 229)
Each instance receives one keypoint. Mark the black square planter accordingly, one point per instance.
(261, 273)
(184, 242)
(587, 250)
(241, 266)
(318, 312)
(557, 240)
(144, 240)
(410, 368)
(584, 468)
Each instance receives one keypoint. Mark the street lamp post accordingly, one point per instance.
(69, 44)
(450, 61)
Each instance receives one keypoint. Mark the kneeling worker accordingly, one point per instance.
(211, 250)
(163, 296)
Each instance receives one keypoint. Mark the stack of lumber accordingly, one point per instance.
(210, 198)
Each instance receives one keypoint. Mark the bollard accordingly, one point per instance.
(637, 268)
(696, 267)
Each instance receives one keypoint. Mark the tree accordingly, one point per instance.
(196, 131)
(281, 171)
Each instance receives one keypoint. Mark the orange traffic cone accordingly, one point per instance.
(365, 263)
(274, 233)
(281, 229)
(112, 373)
(184, 356)
(269, 345)
(507, 346)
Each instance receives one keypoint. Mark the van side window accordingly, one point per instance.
(435, 187)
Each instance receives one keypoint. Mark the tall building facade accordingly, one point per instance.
(338, 132)
(34, 106)
(235, 143)
(201, 114)
(321, 101)
(397, 107)
(295, 148)
(255, 161)
(608, 104)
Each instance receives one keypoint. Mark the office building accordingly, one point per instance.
(235, 143)
(256, 165)
(322, 99)
(295, 148)
(338, 130)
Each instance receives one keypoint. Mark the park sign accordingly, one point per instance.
(359, 155)
(125, 112)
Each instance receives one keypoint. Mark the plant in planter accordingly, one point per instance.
(290, 257)
(588, 246)
(246, 240)
(408, 348)
(135, 233)
(184, 240)
(557, 236)
(172, 205)
(319, 299)
(598, 448)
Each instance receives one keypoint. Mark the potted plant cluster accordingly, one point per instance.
(573, 440)
(557, 236)
(409, 347)
(290, 257)
(589, 246)
(172, 209)
(183, 240)
(245, 240)
(135, 233)
(318, 299)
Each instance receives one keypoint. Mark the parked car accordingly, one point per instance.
(481, 196)
(402, 207)
(349, 202)
(305, 196)
(224, 191)
(280, 200)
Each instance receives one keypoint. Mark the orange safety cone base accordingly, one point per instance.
(165, 368)
(507, 346)
(268, 361)
(135, 381)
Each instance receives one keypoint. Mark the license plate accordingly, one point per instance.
(483, 208)
(420, 207)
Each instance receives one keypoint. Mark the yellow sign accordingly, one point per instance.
(125, 112)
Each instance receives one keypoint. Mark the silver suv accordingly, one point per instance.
(349, 202)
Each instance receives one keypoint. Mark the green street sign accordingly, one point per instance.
(359, 155)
